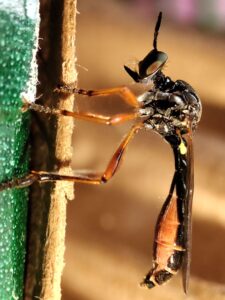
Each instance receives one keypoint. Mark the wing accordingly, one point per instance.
(188, 212)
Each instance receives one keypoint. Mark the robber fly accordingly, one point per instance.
(173, 110)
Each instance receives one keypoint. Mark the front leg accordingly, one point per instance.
(124, 92)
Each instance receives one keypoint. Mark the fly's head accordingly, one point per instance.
(151, 65)
(170, 106)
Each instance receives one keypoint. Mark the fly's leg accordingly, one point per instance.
(125, 93)
(79, 176)
(108, 120)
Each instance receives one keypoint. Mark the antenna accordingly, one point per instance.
(157, 26)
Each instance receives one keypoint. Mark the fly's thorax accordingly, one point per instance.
(167, 111)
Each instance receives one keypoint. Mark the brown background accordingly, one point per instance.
(110, 228)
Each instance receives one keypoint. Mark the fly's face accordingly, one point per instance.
(148, 67)
(151, 65)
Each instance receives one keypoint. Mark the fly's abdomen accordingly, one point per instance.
(159, 274)
(168, 251)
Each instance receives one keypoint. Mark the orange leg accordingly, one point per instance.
(108, 120)
(126, 94)
(79, 176)
(112, 120)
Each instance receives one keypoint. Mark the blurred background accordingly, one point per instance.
(110, 227)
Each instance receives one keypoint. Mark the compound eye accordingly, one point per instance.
(152, 62)
(154, 67)
(158, 61)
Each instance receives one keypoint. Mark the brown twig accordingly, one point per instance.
(54, 249)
